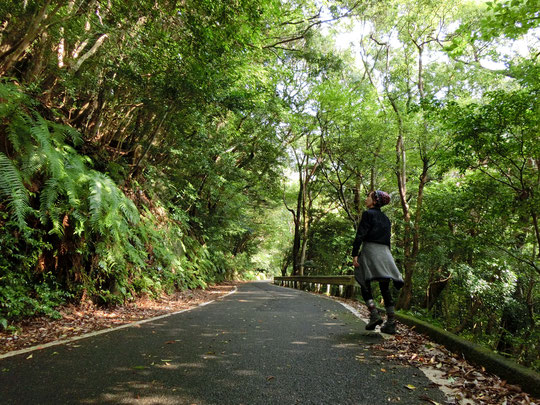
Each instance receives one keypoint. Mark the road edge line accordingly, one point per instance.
(106, 330)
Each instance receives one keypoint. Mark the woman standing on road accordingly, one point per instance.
(375, 263)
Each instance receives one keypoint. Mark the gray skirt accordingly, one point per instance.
(376, 263)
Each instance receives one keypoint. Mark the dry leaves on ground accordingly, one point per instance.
(84, 318)
(469, 383)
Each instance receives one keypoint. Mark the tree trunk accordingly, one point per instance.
(536, 230)
(405, 296)
(418, 213)
(90, 53)
(286, 263)
(302, 256)
(357, 200)
(434, 291)
(468, 318)
(33, 73)
(296, 240)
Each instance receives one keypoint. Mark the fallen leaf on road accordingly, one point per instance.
(270, 378)
(410, 386)
(471, 384)
(29, 357)
(428, 399)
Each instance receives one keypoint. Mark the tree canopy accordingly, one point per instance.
(150, 146)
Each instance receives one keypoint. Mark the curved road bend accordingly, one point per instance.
(263, 345)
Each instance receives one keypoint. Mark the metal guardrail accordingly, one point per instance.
(342, 286)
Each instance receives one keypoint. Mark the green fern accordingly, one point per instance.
(96, 198)
(47, 199)
(130, 211)
(17, 134)
(13, 189)
(55, 159)
(64, 131)
(32, 162)
(110, 227)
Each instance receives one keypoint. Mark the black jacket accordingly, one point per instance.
(374, 227)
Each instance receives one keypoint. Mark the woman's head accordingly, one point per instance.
(378, 199)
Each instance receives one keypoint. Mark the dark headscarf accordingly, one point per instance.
(380, 198)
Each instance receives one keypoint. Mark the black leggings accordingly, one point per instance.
(385, 292)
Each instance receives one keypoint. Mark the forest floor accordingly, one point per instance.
(462, 382)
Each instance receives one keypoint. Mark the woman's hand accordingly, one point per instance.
(355, 261)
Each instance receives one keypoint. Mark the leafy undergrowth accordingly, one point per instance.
(462, 382)
(84, 318)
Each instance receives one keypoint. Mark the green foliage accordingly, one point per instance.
(25, 292)
(330, 246)
(12, 188)
(154, 160)
(115, 252)
(510, 18)
(466, 246)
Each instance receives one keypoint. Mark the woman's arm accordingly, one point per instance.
(361, 232)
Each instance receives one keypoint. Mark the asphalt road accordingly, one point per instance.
(262, 345)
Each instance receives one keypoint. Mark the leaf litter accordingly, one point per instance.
(85, 317)
(462, 382)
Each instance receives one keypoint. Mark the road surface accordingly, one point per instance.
(262, 345)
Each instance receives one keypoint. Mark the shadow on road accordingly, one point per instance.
(262, 345)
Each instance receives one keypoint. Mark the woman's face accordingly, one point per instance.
(369, 201)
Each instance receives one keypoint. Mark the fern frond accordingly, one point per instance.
(57, 227)
(73, 190)
(40, 133)
(80, 222)
(68, 132)
(47, 198)
(128, 208)
(14, 98)
(57, 131)
(12, 187)
(96, 199)
(32, 162)
(41, 127)
(17, 132)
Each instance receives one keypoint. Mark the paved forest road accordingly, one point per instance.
(263, 345)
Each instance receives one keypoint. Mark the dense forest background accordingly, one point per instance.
(154, 145)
